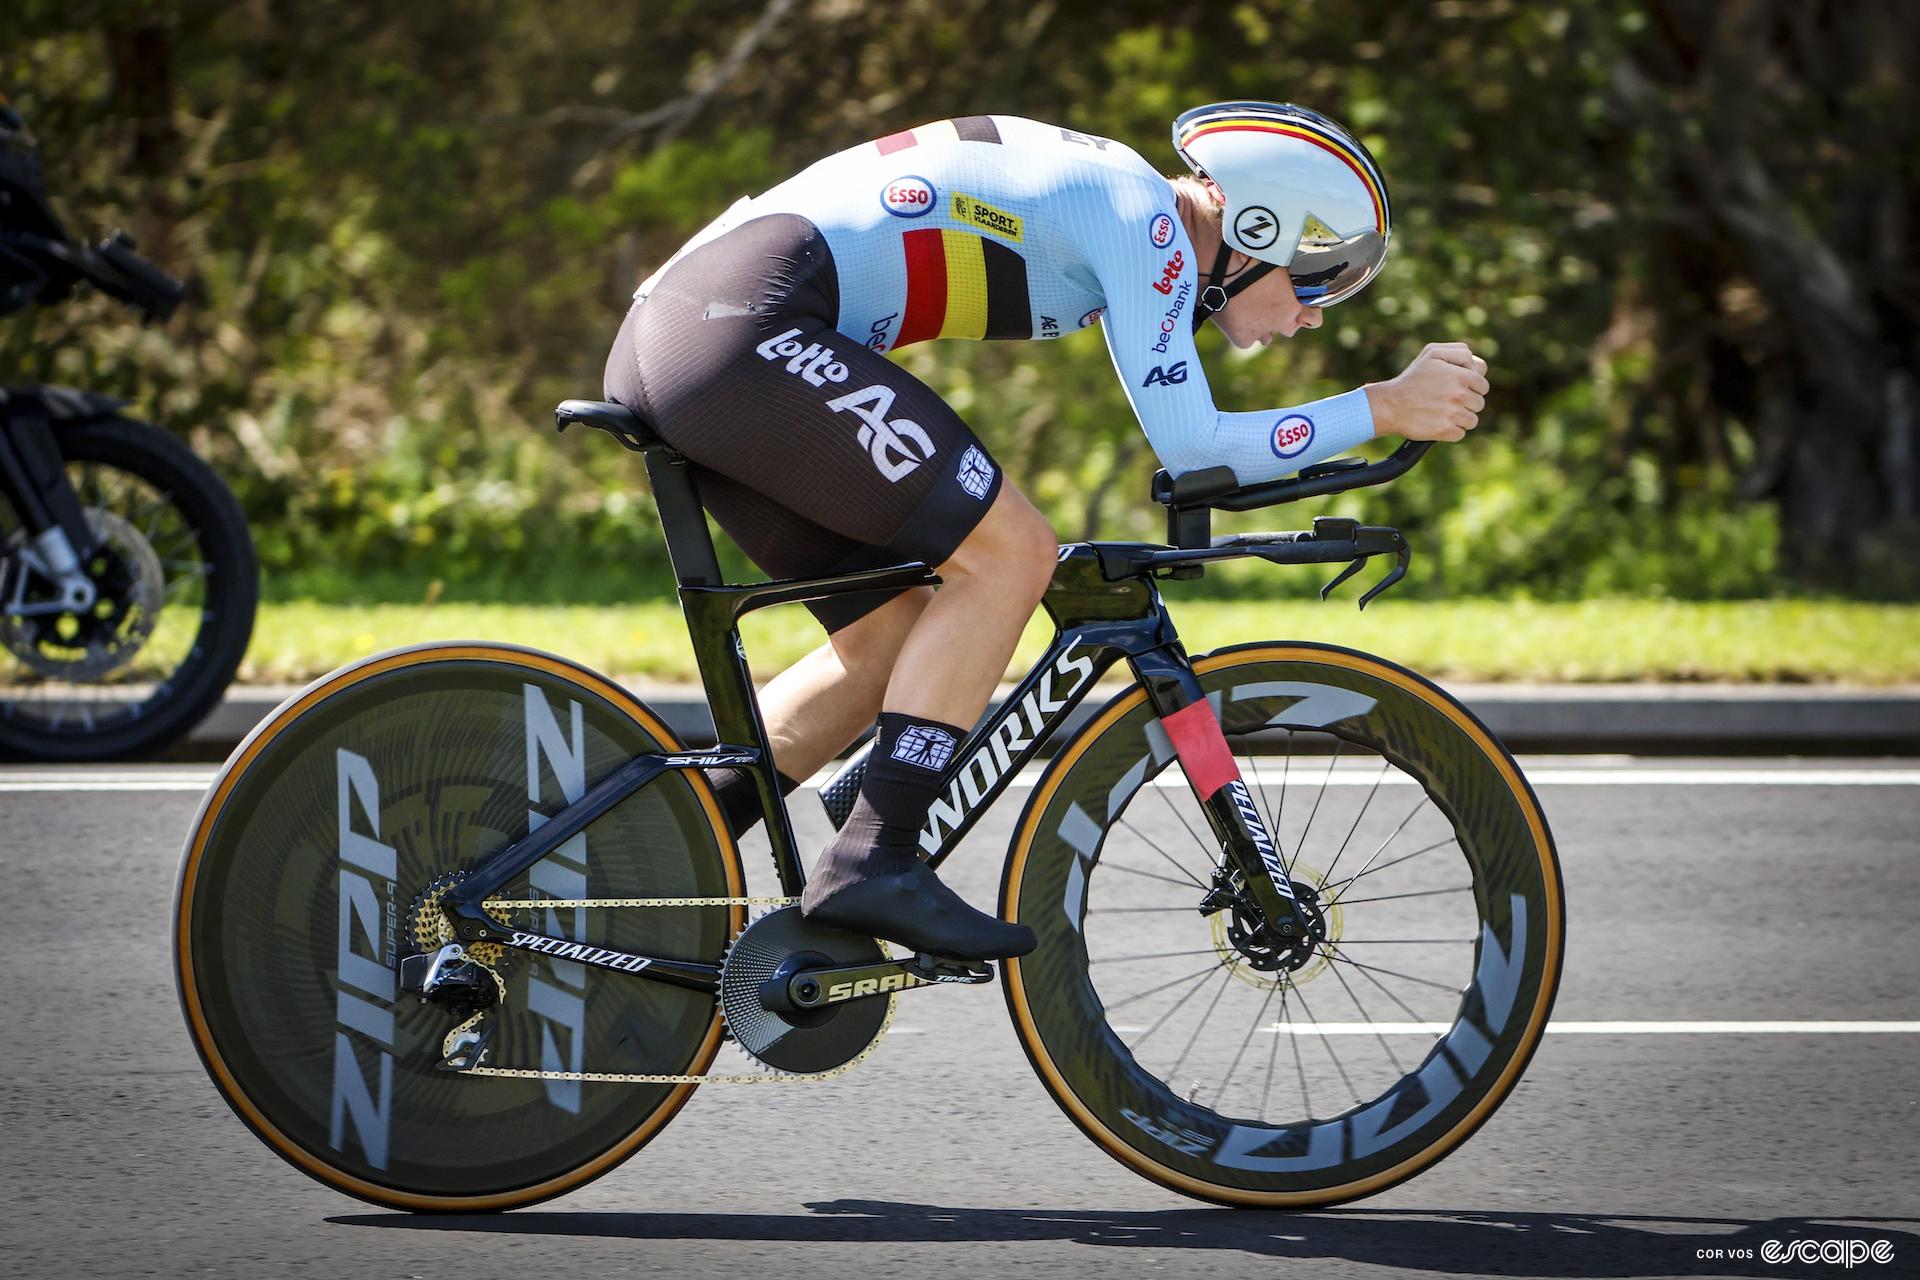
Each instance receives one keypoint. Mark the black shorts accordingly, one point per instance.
(816, 455)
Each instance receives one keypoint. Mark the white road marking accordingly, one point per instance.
(1608, 1028)
(1303, 773)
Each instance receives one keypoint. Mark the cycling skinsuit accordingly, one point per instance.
(756, 349)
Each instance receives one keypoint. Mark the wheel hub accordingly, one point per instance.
(1245, 940)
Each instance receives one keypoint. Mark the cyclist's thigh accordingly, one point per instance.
(741, 370)
(786, 545)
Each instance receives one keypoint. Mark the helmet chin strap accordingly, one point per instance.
(1214, 296)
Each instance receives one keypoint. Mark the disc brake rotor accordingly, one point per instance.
(82, 648)
(810, 1041)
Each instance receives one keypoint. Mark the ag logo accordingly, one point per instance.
(1291, 435)
(1160, 230)
(1167, 377)
(1256, 227)
(909, 196)
(898, 447)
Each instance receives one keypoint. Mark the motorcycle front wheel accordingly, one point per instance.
(177, 585)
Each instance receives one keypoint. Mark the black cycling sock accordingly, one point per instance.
(740, 799)
(882, 834)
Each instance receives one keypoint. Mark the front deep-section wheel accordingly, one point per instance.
(316, 863)
(1204, 1050)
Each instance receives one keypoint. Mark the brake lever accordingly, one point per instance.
(1342, 576)
(1401, 561)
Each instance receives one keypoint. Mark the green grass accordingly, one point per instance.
(1597, 640)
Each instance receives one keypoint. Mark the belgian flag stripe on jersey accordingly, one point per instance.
(965, 129)
(962, 286)
(1009, 312)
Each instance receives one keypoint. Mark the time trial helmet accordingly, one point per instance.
(1301, 193)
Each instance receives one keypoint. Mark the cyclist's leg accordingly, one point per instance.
(735, 358)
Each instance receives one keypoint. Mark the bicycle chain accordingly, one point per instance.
(770, 1076)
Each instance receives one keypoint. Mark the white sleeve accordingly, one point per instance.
(1151, 291)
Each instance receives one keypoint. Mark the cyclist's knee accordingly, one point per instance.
(872, 642)
(1013, 545)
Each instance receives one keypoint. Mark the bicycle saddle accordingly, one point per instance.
(622, 423)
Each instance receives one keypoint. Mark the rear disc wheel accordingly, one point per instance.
(305, 878)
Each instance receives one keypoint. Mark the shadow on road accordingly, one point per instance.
(1469, 1243)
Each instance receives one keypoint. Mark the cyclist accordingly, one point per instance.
(756, 352)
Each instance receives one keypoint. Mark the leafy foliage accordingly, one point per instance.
(413, 229)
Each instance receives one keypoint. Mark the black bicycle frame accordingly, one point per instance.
(1105, 608)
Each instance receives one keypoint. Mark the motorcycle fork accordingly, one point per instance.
(34, 478)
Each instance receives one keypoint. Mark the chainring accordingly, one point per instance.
(807, 1042)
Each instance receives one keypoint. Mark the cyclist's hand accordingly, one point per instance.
(1437, 397)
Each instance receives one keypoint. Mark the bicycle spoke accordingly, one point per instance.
(1328, 1042)
(1128, 911)
(1403, 1006)
(1313, 813)
(1341, 852)
(1197, 973)
(1194, 1038)
(1395, 836)
(1162, 852)
(1157, 955)
(1392, 973)
(1417, 893)
(1299, 1064)
(1162, 793)
(1150, 875)
(1245, 1041)
(1348, 987)
(1273, 1056)
(1162, 1020)
(1349, 942)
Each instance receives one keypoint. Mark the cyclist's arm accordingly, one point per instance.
(1154, 353)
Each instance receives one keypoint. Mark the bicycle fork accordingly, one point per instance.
(1194, 735)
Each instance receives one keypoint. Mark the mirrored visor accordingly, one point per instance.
(1327, 268)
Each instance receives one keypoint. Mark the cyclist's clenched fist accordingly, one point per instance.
(1437, 397)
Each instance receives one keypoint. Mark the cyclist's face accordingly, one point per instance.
(1265, 310)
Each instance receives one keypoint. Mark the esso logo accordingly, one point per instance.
(907, 197)
(1091, 316)
(1161, 230)
(1291, 435)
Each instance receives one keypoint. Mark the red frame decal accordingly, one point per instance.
(1195, 733)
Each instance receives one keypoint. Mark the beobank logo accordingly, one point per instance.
(908, 196)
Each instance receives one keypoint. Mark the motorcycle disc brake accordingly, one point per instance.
(123, 618)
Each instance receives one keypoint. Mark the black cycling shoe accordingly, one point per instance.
(914, 909)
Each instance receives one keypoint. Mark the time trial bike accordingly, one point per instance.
(461, 926)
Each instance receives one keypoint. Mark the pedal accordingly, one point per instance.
(931, 968)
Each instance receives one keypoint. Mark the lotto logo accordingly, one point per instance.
(975, 473)
(1170, 273)
(925, 746)
(1166, 377)
(810, 360)
(887, 441)
(907, 197)
(1291, 435)
(1160, 230)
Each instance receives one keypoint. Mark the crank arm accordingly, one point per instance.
(794, 987)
